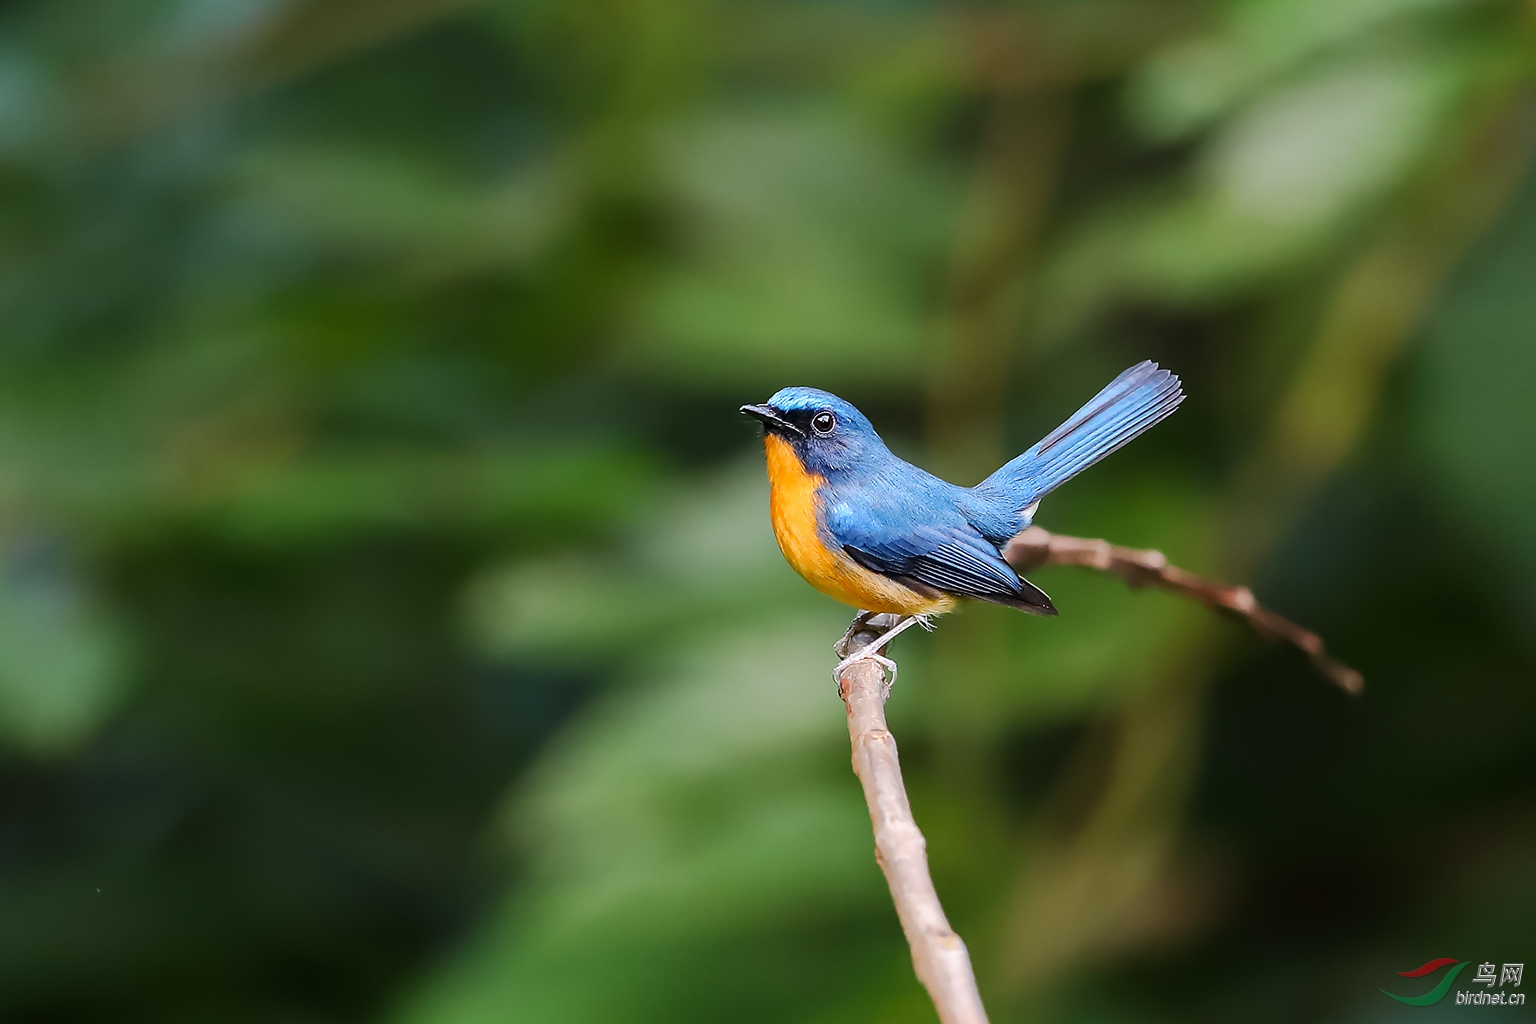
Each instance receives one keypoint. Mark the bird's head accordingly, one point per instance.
(827, 434)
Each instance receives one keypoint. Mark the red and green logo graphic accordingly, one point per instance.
(1437, 993)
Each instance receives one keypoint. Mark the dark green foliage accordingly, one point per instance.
(390, 628)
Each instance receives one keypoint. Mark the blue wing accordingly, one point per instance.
(952, 559)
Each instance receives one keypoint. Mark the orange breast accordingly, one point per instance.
(795, 508)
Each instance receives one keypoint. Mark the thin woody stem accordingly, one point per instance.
(938, 955)
(1141, 568)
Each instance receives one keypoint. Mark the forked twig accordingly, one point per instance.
(938, 954)
(1140, 568)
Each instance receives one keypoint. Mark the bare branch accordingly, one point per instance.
(1141, 568)
(938, 954)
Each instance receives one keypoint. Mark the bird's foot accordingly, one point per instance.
(871, 651)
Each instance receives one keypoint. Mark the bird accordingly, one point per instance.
(884, 536)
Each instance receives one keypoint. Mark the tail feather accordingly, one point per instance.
(1130, 405)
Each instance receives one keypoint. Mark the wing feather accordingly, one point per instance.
(955, 560)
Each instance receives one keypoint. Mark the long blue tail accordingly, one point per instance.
(1132, 404)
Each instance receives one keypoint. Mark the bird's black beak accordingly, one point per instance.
(772, 421)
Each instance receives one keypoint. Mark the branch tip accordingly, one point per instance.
(1037, 547)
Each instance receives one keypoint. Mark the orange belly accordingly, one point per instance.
(795, 508)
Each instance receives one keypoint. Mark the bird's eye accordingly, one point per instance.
(823, 422)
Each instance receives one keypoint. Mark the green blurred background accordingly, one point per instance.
(390, 626)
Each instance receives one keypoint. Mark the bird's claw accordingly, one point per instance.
(871, 652)
(859, 622)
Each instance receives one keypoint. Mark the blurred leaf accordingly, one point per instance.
(805, 243)
(62, 662)
(1311, 154)
(381, 207)
(1277, 186)
(325, 496)
(1259, 41)
(702, 554)
(1474, 388)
